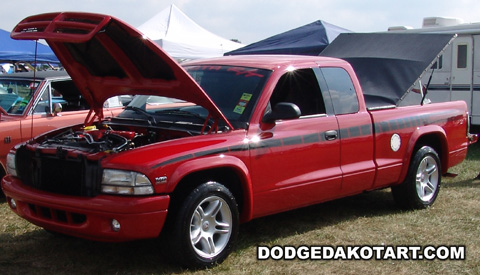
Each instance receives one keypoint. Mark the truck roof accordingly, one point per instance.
(37, 75)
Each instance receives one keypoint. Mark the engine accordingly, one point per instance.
(91, 139)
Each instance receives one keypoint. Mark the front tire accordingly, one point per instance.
(205, 227)
(422, 183)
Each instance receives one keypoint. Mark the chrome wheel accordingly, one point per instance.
(205, 227)
(427, 178)
(421, 185)
(211, 227)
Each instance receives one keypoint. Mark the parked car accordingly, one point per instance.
(34, 103)
(255, 135)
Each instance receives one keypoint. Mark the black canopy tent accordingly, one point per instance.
(387, 64)
(309, 39)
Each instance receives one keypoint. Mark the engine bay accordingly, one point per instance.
(109, 139)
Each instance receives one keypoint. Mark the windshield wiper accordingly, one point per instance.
(180, 113)
(150, 118)
(207, 121)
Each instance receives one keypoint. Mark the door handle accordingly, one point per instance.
(331, 135)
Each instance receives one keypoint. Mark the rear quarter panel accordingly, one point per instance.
(440, 125)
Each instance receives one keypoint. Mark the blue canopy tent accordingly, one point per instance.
(309, 39)
(23, 50)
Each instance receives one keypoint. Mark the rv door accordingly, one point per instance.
(462, 66)
(475, 110)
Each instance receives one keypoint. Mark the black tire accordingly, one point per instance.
(422, 183)
(2, 174)
(205, 227)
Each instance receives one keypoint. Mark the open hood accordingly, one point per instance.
(107, 57)
(388, 65)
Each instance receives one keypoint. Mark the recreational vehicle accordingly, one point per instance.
(456, 74)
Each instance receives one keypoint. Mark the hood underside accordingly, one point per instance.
(388, 65)
(107, 57)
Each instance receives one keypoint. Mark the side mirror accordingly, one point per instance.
(283, 110)
(57, 108)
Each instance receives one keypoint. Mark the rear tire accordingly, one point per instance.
(422, 183)
(205, 227)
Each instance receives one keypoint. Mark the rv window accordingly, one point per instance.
(462, 56)
(438, 64)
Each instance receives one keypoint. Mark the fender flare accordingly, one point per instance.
(218, 161)
(420, 132)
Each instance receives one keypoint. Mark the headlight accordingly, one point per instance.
(122, 182)
(11, 167)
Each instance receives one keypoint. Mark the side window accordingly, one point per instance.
(66, 94)
(301, 88)
(43, 104)
(342, 92)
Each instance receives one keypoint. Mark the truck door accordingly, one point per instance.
(296, 162)
(355, 132)
(44, 119)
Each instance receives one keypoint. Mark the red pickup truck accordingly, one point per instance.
(251, 136)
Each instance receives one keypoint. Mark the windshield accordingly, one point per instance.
(15, 94)
(234, 90)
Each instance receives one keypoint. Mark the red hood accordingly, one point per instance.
(107, 57)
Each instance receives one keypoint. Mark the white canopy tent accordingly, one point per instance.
(182, 38)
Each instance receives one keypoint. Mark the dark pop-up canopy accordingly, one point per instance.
(14, 50)
(387, 64)
(309, 39)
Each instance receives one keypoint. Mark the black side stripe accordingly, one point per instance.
(351, 132)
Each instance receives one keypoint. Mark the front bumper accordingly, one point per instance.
(89, 218)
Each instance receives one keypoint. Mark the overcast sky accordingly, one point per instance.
(253, 20)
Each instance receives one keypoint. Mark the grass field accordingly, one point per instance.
(368, 219)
